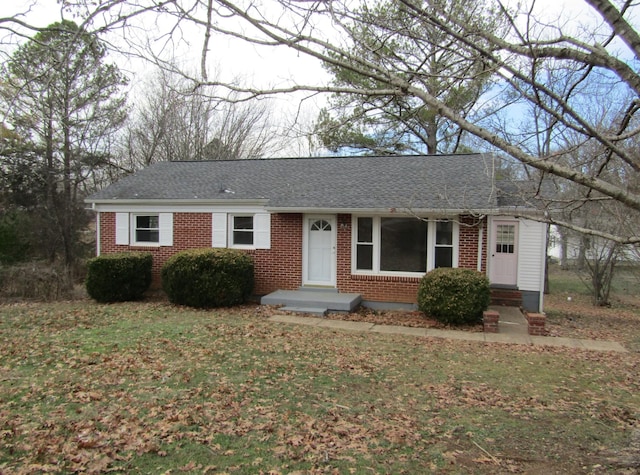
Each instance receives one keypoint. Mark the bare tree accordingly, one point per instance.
(172, 120)
(516, 60)
(601, 54)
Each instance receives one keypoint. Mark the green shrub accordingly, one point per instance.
(14, 243)
(454, 296)
(119, 277)
(205, 278)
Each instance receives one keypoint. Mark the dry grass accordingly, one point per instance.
(152, 388)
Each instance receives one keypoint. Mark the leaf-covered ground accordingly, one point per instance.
(152, 388)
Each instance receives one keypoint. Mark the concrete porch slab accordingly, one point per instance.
(331, 300)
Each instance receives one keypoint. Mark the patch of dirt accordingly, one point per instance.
(405, 318)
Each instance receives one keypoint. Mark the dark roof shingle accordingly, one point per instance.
(434, 182)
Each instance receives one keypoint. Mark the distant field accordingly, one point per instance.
(626, 281)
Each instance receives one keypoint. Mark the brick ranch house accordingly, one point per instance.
(366, 225)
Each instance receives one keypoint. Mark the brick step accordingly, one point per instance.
(506, 297)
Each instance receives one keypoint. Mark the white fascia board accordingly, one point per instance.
(179, 206)
(517, 211)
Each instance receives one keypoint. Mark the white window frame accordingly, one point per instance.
(222, 230)
(232, 230)
(134, 229)
(431, 246)
(165, 230)
(455, 238)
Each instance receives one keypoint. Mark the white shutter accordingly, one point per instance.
(219, 230)
(122, 228)
(262, 231)
(165, 224)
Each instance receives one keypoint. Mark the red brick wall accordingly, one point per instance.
(190, 230)
(277, 268)
(281, 266)
(468, 246)
(379, 288)
(375, 288)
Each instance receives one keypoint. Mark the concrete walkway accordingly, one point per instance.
(512, 329)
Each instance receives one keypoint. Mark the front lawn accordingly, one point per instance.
(152, 388)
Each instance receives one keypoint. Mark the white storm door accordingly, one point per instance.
(320, 250)
(504, 253)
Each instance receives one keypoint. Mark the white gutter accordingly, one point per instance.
(98, 233)
(193, 201)
(390, 211)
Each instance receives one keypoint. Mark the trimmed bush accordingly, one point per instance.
(206, 278)
(119, 277)
(454, 296)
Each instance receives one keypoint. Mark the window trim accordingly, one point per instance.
(125, 232)
(431, 247)
(134, 229)
(222, 230)
(455, 236)
(231, 230)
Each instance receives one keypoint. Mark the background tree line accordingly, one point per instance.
(69, 130)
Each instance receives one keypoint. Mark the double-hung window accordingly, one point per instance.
(242, 230)
(443, 252)
(147, 229)
(403, 245)
(364, 244)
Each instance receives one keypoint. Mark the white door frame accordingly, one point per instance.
(496, 276)
(307, 220)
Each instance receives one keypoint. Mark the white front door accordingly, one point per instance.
(504, 253)
(319, 250)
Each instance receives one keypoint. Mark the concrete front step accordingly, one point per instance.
(330, 300)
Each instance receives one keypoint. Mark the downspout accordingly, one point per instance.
(480, 245)
(93, 206)
(545, 244)
(98, 233)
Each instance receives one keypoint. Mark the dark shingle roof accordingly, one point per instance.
(527, 194)
(435, 182)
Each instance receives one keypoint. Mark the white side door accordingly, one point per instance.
(504, 253)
